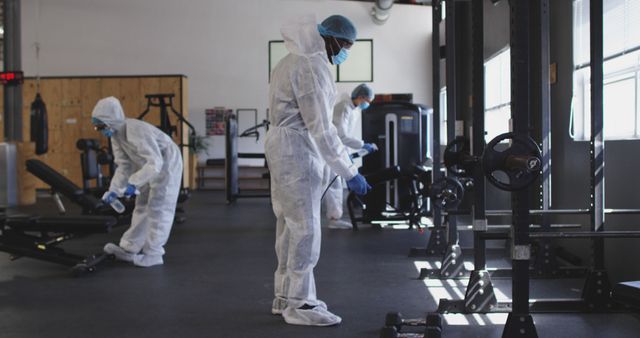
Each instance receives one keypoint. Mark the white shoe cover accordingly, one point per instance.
(279, 304)
(146, 261)
(318, 316)
(119, 252)
(339, 224)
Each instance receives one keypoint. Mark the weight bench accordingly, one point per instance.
(627, 293)
(89, 203)
(38, 237)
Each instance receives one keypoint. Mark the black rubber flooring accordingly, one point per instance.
(217, 281)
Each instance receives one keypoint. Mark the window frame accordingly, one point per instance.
(580, 114)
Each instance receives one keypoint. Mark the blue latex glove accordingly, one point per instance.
(370, 147)
(359, 185)
(109, 197)
(130, 191)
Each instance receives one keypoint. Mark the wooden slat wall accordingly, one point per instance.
(70, 102)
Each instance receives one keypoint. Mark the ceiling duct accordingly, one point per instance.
(381, 11)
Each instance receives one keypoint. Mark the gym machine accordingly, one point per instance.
(232, 155)
(394, 127)
(165, 103)
(92, 157)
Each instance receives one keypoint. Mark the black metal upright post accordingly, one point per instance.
(437, 240)
(452, 96)
(452, 263)
(479, 296)
(597, 129)
(597, 286)
(545, 261)
(520, 323)
(543, 67)
(12, 62)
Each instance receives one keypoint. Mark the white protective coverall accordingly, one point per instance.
(148, 159)
(301, 138)
(344, 114)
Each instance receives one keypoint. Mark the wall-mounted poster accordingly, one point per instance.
(215, 120)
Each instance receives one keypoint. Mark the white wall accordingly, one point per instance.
(222, 46)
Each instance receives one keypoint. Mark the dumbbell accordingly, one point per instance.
(395, 319)
(434, 326)
(394, 323)
(392, 332)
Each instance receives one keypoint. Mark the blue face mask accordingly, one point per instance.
(364, 105)
(340, 58)
(108, 132)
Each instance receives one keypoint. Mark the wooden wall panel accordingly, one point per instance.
(29, 90)
(51, 92)
(26, 181)
(90, 91)
(110, 87)
(70, 102)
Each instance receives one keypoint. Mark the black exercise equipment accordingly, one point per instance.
(416, 182)
(437, 243)
(394, 324)
(396, 128)
(447, 192)
(92, 157)
(521, 162)
(232, 155)
(458, 158)
(90, 204)
(38, 237)
(39, 125)
(160, 101)
(60, 184)
(627, 293)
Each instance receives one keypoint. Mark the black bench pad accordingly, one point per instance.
(627, 293)
(63, 185)
(63, 224)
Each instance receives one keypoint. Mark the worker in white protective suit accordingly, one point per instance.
(300, 140)
(345, 113)
(149, 165)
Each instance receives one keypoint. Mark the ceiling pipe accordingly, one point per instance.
(381, 11)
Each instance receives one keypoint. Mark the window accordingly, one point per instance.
(497, 98)
(443, 116)
(621, 50)
(497, 94)
(357, 68)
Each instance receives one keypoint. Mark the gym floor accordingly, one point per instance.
(217, 281)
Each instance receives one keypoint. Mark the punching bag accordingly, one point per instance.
(39, 125)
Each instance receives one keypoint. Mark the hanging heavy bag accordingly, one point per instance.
(39, 125)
